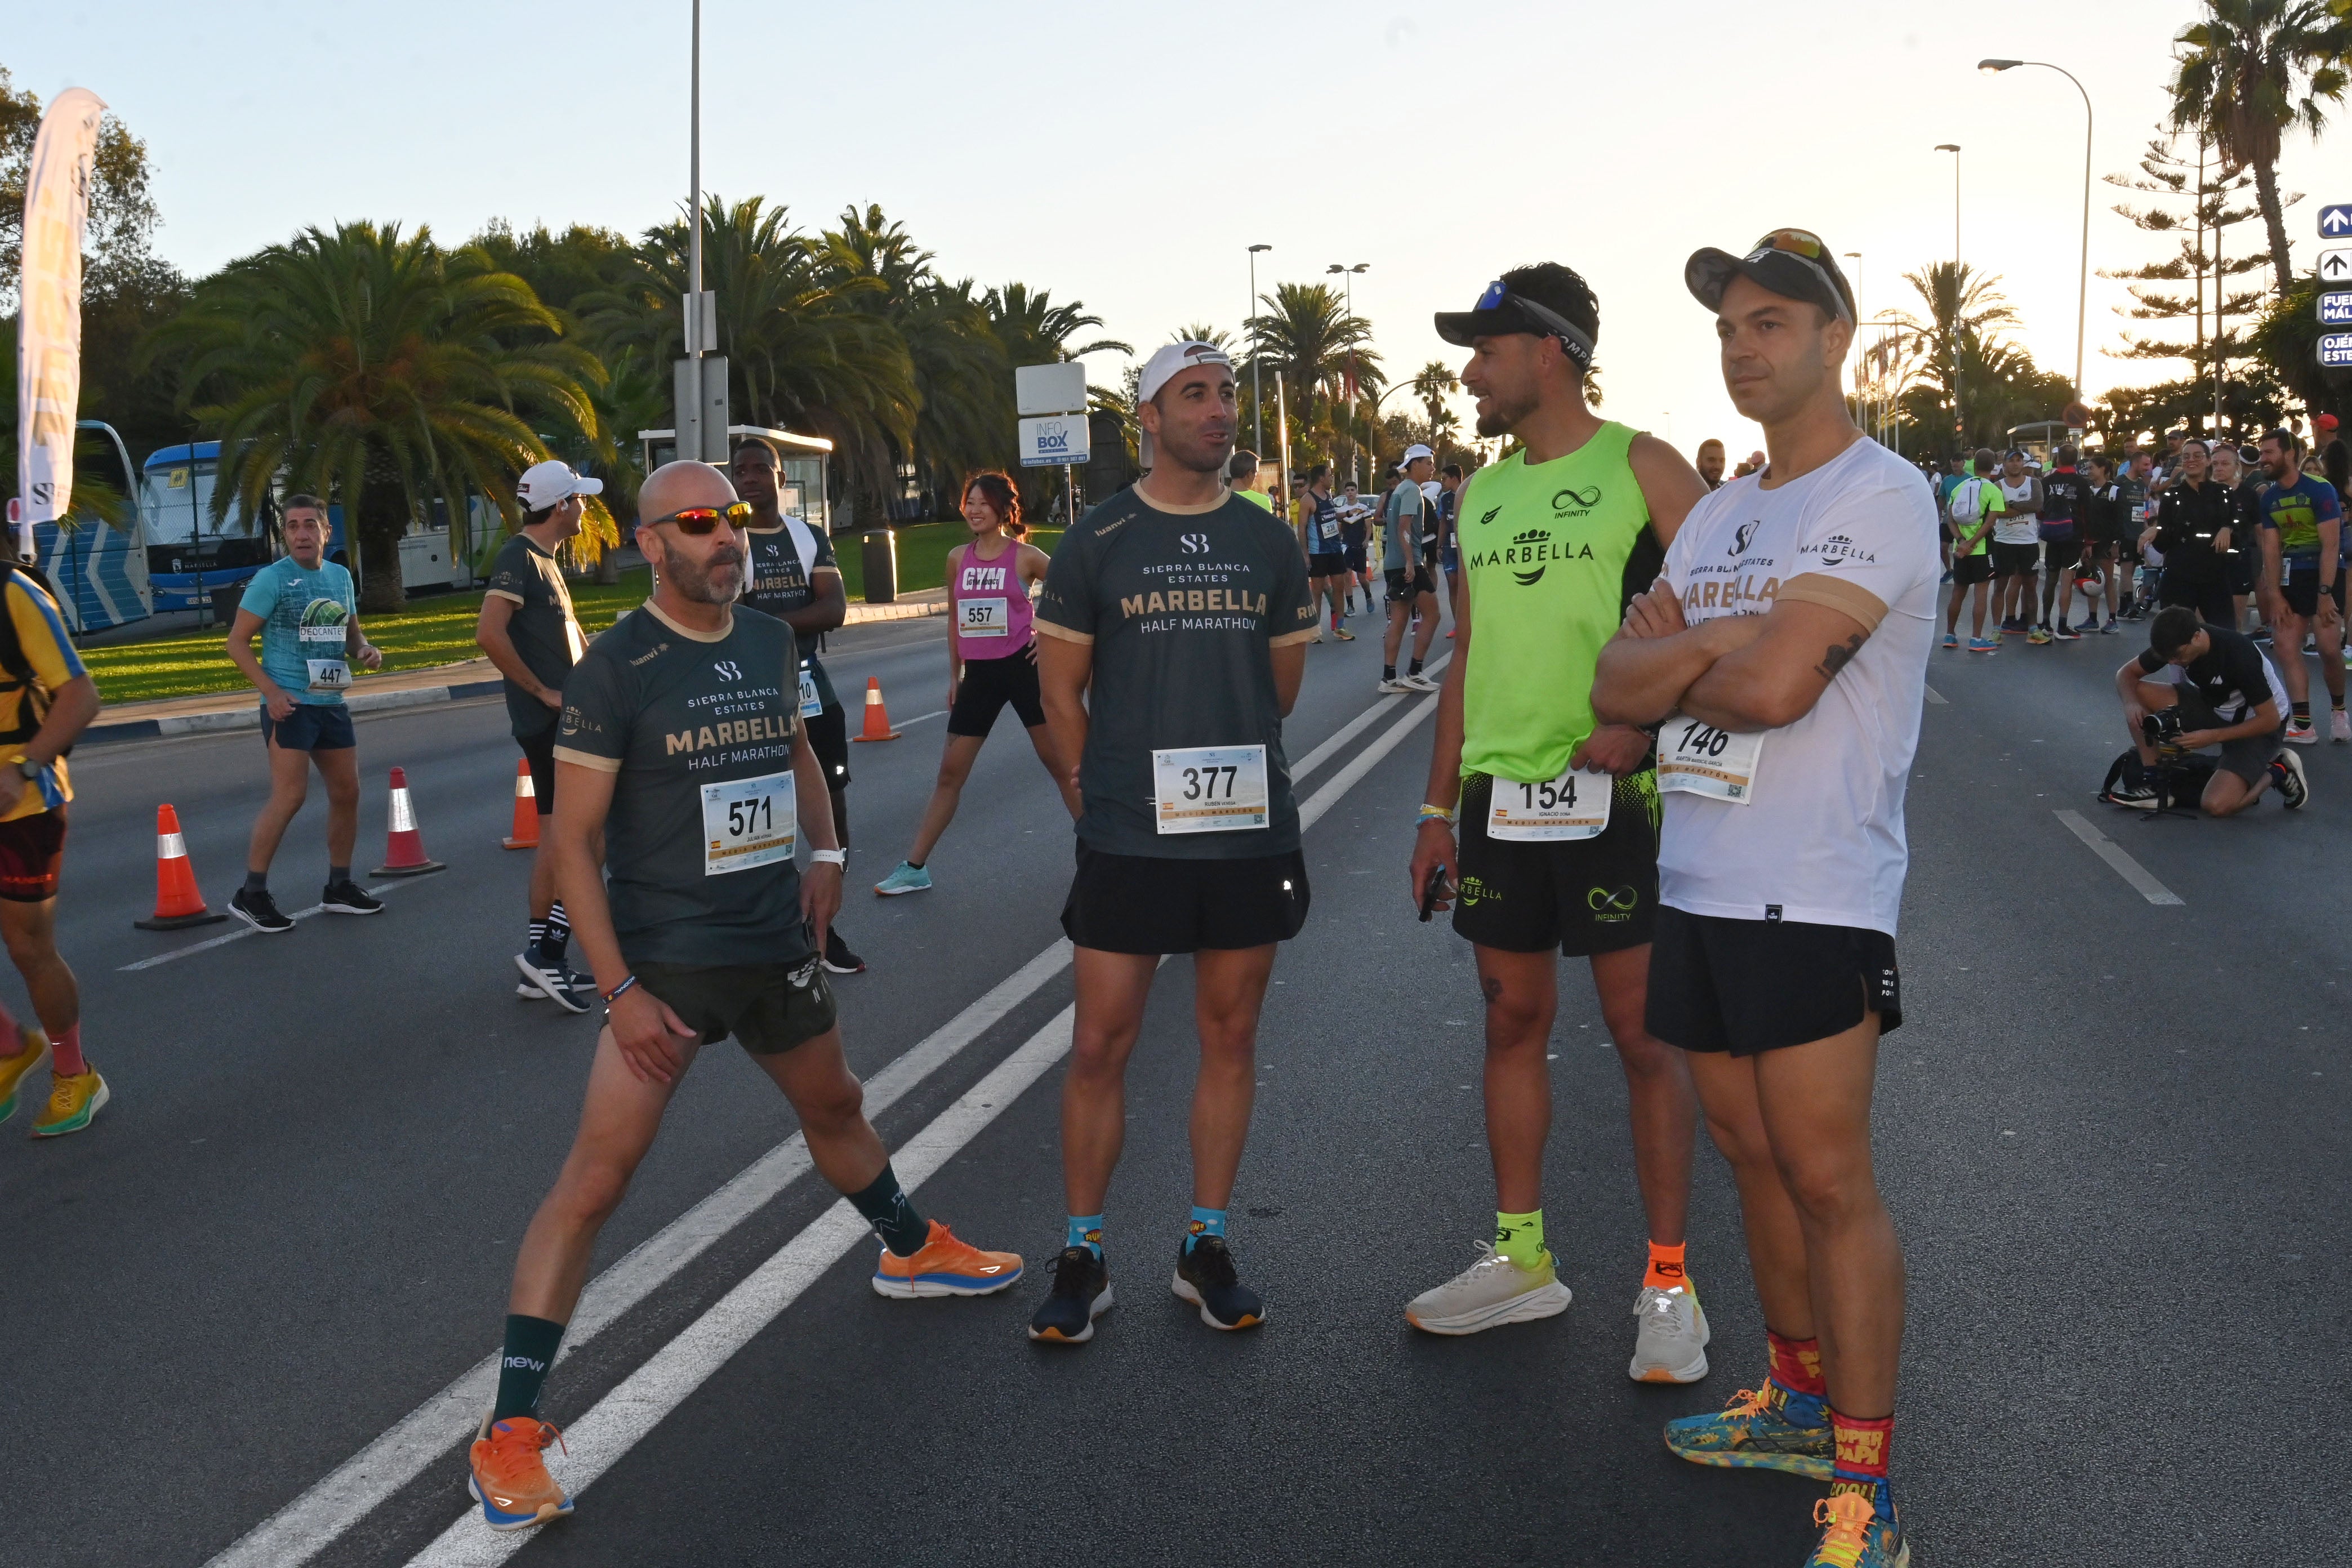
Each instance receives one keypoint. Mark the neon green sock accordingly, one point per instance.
(1520, 1238)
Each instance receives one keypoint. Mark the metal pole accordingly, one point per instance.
(694, 325)
(1258, 391)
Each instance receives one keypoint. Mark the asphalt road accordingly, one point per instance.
(2111, 1130)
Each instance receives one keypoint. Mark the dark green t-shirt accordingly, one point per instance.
(674, 712)
(545, 633)
(1182, 609)
(776, 585)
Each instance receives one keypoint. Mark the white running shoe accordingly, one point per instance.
(1393, 687)
(1671, 1345)
(1489, 1293)
(2339, 727)
(1420, 683)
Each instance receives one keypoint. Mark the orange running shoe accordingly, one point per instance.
(509, 1480)
(945, 1267)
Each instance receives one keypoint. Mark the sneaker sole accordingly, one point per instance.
(535, 983)
(1811, 1468)
(265, 931)
(1184, 1291)
(926, 1287)
(833, 968)
(351, 910)
(1102, 1304)
(89, 1114)
(1544, 1301)
(547, 1511)
(1692, 1372)
(883, 892)
(2310, 740)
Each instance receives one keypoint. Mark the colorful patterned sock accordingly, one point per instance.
(1205, 1221)
(1086, 1230)
(1520, 1238)
(1864, 1447)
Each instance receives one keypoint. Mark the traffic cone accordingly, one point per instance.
(403, 850)
(177, 903)
(877, 717)
(525, 818)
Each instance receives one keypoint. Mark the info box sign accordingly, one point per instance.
(1052, 401)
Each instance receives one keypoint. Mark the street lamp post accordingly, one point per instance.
(2083, 285)
(1257, 396)
(1355, 389)
(1959, 420)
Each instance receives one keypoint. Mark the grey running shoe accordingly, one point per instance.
(1489, 1293)
(1671, 1344)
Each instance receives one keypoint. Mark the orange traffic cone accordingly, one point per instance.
(403, 850)
(526, 818)
(177, 903)
(877, 717)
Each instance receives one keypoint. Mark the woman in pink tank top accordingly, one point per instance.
(992, 660)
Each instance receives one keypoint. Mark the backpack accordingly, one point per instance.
(17, 669)
(2180, 783)
(1967, 504)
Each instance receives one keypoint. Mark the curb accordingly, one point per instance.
(249, 718)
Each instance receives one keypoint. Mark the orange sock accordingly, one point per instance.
(1665, 1270)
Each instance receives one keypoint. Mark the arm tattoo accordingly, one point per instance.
(1838, 656)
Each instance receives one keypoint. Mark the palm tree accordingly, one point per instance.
(1035, 331)
(1201, 332)
(1307, 332)
(1965, 314)
(374, 367)
(2249, 73)
(1431, 385)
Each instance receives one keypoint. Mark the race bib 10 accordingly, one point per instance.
(811, 704)
(746, 823)
(1210, 789)
(1698, 759)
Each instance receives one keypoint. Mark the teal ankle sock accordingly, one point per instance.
(884, 1204)
(1205, 1221)
(1086, 1230)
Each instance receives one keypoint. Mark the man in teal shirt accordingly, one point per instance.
(307, 616)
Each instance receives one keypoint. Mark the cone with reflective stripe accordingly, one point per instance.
(526, 818)
(177, 903)
(877, 717)
(403, 850)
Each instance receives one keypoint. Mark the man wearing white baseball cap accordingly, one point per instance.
(1412, 589)
(528, 630)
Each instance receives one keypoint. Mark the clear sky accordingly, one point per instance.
(1127, 156)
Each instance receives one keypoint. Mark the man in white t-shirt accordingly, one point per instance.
(2017, 548)
(1784, 653)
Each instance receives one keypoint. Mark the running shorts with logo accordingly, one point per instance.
(1139, 904)
(2301, 588)
(1747, 986)
(768, 1007)
(1402, 588)
(312, 727)
(32, 854)
(989, 685)
(2015, 560)
(1583, 896)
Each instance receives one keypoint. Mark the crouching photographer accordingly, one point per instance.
(2196, 687)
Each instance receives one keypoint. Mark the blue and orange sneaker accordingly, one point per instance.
(1759, 1431)
(1855, 1534)
(509, 1480)
(14, 1069)
(945, 1267)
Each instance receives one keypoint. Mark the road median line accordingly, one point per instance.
(2129, 869)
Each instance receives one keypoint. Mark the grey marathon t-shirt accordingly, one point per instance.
(671, 711)
(776, 583)
(1400, 518)
(545, 633)
(1183, 609)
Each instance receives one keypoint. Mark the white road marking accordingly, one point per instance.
(623, 1418)
(1355, 727)
(2129, 869)
(243, 932)
(314, 1521)
(1935, 697)
(919, 718)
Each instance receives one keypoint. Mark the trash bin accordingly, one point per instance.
(878, 553)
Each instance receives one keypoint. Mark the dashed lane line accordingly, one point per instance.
(2129, 869)
(243, 932)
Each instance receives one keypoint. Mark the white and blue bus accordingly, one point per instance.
(189, 556)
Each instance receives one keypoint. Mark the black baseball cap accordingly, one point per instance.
(1499, 311)
(1791, 262)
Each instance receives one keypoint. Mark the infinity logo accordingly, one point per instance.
(1571, 496)
(1604, 900)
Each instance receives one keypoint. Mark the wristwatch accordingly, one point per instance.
(28, 769)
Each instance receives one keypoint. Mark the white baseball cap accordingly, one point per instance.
(544, 484)
(1173, 360)
(1414, 453)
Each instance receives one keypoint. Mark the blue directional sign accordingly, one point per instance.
(2336, 222)
(2335, 266)
(2335, 310)
(2336, 350)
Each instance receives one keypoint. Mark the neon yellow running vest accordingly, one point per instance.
(1545, 546)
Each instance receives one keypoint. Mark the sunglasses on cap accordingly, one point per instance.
(1809, 249)
(1572, 338)
(698, 520)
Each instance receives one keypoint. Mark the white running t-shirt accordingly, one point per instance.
(2020, 522)
(1820, 841)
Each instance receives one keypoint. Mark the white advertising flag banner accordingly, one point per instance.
(48, 327)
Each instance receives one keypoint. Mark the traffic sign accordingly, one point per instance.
(1050, 388)
(2335, 310)
(2336, 222)
(2336, 265)
(1061, 439)
(2336, 350)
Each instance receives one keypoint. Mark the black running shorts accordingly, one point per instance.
(1331, 566)
(1399, 589)
(1135, 903)
(828, 735)
(988, 685)
(2015, 560)
(1976, 568)
(1751, 986)
(1584, 896)
(768, 1007)
(2301, 589)
(312, 727)
(32, 854)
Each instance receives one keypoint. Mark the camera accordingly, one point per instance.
(2162, 729)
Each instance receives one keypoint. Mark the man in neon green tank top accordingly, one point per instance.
(1559, 816)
